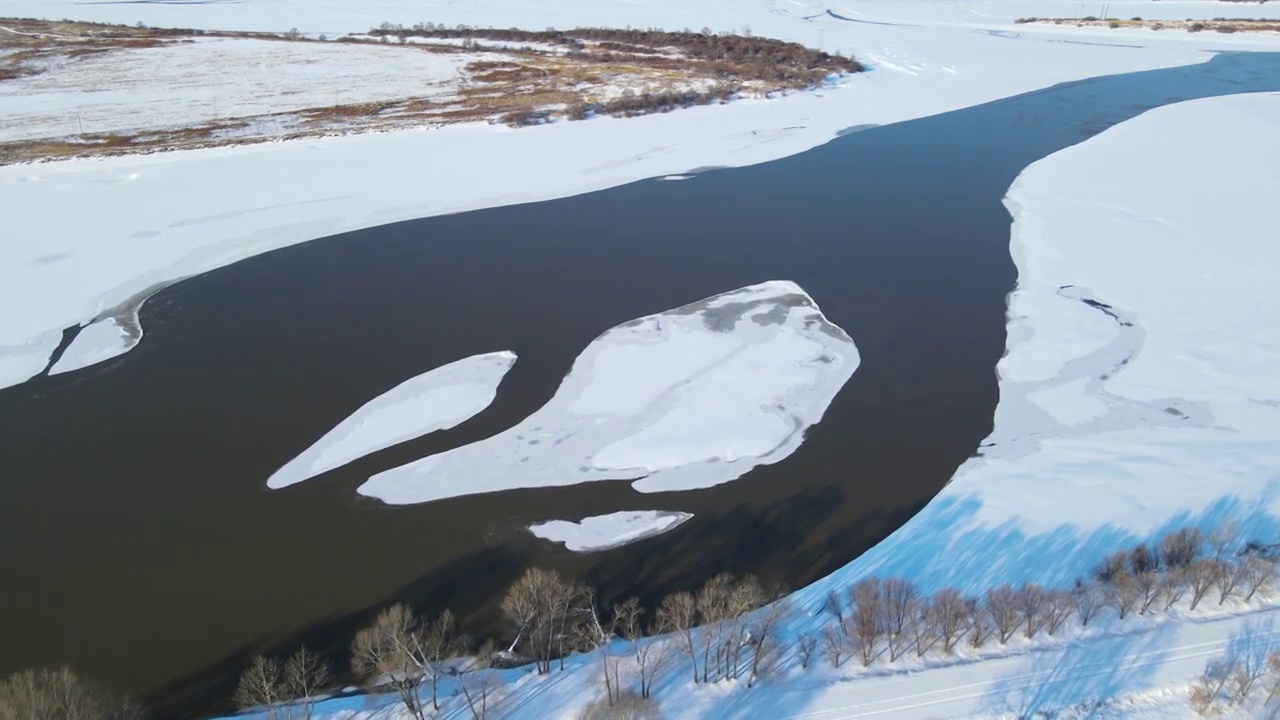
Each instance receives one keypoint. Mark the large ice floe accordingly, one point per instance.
(97, 342)
(684, 399)
(435, 400)
(606, 532)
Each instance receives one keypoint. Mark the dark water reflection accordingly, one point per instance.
(142, 546)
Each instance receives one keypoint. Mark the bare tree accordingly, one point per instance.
(1057, 608)
(1172, 585)
(1200, 576)
(1246, 670)
(899, 600)
(1002, 604)
(262, 688)
(1031, 604)
(393, 653)
(628, 706)
(763, 628)
(1180, 548)
(834, 642)
(745, 596)
(713, 607)
(544, 609)
(60, 695)
(949, 614)
(478, 685)
(1223, 539)
(1205, 690)
(806, 644)
(305, 676)
(1123, 593)
(866, 618)
(1088, 600)
(1226, 577)
(1144, 560)
(924, 633)
(981, 625)
(1258, 573)
(1273, 676)
(678, 615)
(1113, 565)
(1149, 585)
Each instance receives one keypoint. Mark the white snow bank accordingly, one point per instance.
(1141, 389)
(684, 399)
(435, 400)
(605, 532)
(171, 85)
(98, 342)
(142, 221)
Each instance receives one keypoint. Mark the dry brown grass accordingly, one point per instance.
(1220, 25)
(604, 71)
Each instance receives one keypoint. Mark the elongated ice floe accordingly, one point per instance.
(98, 342)
(684, 399)
(605, 532)
(435, 400)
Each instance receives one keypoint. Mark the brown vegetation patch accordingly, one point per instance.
(1219, 24)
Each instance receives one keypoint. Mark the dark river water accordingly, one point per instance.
(141, 545)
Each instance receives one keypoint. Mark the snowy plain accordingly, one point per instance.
(606, 532)
(167, 86)
(684, 399)
(190, 212)
(435, 400)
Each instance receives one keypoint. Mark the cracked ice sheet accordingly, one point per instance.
(435, 400)
(606, 532)
(685, 399)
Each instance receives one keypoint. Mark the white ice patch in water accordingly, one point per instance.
(606, 532)
(98, 342)
(685, 399)
(435, 400)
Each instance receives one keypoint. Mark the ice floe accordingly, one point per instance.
(98, 342)
(435, 400)
(684, 399)
(605, 532)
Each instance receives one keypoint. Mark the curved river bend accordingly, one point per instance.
(143, 547)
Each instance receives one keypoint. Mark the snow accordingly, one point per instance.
(606, 532)
(131, 89)
(435, 400)
(255, 199)
(98, 342)
(684, 399)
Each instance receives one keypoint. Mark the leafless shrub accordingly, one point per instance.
(1226, 577)
(1180, 548)
(1273, 677)
(628, 706)
(1173, 585)
(1200, 577)
(1002, 605)
(293, 34)
(981, 625)
(763, 630)
(950, 615)
(1088, 600)
(1113, 565)
(60, 695)
(834, 644)
(1257, 573)
(1246, 671)
(1123, 593)
(805, 646)
(1057, 608)
(866, 618)
(1223, 541)
(399, 652)
(678, 615)
(899, 601)
(1031, 604)
(545, 611)
(1205, 690)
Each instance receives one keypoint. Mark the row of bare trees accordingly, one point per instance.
(61, 695)
(876, 618)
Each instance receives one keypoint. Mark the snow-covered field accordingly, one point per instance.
(605, 532)
(130, 90)
(435, 400)
(59, 269)
(684, 399)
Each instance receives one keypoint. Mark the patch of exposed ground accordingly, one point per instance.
(1220, 24)
(513, 77)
